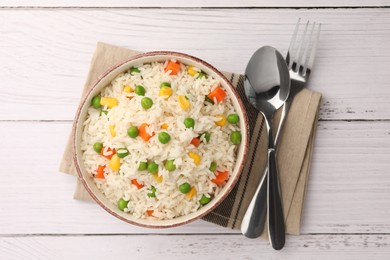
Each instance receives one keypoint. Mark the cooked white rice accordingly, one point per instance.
(169, 201)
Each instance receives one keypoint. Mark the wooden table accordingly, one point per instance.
(45, 50)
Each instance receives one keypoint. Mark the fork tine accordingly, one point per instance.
(301, 52)
(313, 50)
(309, 46)
(291, 54)
(302, 48)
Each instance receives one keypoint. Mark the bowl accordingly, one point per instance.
(105, 80)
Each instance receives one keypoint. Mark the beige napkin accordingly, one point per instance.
(294, 153)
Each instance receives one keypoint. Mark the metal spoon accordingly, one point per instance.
(267, 86)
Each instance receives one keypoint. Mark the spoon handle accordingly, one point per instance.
(254, 220)
(276, 227)
(252, 224)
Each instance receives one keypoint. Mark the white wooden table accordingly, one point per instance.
(45, 50)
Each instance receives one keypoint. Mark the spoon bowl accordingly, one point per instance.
(265, 74)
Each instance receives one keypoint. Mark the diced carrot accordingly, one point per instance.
(173, 67)
(107, 152)
(221, 177)
(142, 132)
(100, 172)
(195, 141)
(136, 183)
(149, 212)
(219, 94)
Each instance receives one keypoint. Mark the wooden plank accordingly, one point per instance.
(348, 179)
(199, 3)
(45, 53)
(194, 247)
(348, 188)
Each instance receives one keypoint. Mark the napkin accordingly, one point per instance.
(294, 151)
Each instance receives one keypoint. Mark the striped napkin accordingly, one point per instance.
(294, 153)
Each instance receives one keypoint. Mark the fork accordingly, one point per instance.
(300, 59)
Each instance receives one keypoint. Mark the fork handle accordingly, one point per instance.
(254, 220)
(285, 109)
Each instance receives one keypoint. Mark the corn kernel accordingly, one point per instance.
(109, 102)
(191, 193)
(112, 130)
(193, 70)
(166, 91)
(184, 103)
(164, 126)
(221, 121)
(128, 89)
(195, 157)
(158, 178)
(115, 163)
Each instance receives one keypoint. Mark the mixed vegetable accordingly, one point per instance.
(115, 157)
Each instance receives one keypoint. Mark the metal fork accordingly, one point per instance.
(300, 59)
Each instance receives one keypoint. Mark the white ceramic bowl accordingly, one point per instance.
(105, 80)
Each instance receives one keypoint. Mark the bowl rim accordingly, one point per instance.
(84, 98)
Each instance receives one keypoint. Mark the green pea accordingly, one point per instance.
(98, 147)
(122, 204)
(185, 187)
(189, 122)
(139, 90)
(147, 102)
(152, 167)
(142, 166)
(213, 166)
(206, 136)
(132, 132)
(164, 137)
(170, 165)
(204, 200)
(96, 102)
(152, 193)
(209, 100)
(201, 75)
(235, 137)
(134, 70)
(165, 84)
(122, 152)
(103, 112)
(233, 118)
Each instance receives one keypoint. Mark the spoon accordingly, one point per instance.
(267, 86)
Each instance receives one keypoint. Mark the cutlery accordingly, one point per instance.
(267, 85)
(297, 63)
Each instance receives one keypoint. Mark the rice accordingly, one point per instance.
(109, 126)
